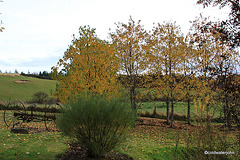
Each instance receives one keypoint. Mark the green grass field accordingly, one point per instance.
(143, 143)
(11, 90)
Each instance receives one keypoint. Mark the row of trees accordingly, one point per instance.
(42, 75)
(183, 67)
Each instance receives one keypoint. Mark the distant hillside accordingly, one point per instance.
(17, 87)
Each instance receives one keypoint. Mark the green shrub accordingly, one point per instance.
(97, 123)
(40, 97)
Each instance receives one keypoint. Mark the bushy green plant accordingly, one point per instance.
(40, 97)
(99, 124)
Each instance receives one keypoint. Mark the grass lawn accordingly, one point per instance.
(144, 143)
(44, 145)
(150, 142)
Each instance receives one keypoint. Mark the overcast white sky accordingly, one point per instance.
(39, 31)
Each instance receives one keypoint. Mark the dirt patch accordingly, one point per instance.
(77, 152)
(10, 74)
(21, 81)
(163, 123)
(2, 102)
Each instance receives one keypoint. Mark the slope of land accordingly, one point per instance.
(17, 87)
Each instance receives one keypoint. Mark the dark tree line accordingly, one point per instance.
(41, 75)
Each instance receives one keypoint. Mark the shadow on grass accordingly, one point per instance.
(176, 117)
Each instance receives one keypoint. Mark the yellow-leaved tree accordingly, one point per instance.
(130, 40)
(188, 80)
(218, 61)
(206, 56)
(213, 61)
(167, 53)
(88, 65)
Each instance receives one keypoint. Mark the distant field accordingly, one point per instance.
(17, 87)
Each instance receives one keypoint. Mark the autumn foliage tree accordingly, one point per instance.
(88, 65)
(224, 72)
(130, 41)
(213, 59)
(205, 44)
(166, 56)
(188, 78)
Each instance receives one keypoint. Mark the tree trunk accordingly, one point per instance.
(168, 116)
(154, 111)
(188, 112)
(208, 116)
(133, 98)
(172, 112)
(227, 120)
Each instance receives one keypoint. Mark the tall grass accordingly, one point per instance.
(206, 139)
